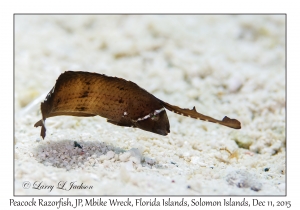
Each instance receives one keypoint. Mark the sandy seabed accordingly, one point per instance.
(222, 65)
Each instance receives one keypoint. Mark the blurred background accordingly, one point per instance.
(150, 50)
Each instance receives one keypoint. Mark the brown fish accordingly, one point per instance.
(122, 102)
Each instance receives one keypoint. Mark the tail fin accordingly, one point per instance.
(43, 130)
(231, 123)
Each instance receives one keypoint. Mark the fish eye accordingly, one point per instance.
(155, 117)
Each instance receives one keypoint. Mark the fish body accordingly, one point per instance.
(122, 102)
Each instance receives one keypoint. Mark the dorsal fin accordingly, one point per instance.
(232, 123)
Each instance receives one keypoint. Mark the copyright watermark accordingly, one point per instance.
(62, 185)
(26, 185)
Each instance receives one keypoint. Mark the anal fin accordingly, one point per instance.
(120, 123)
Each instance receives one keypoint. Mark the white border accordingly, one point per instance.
(156, 6)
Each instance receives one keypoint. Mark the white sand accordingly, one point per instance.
(223, 65)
